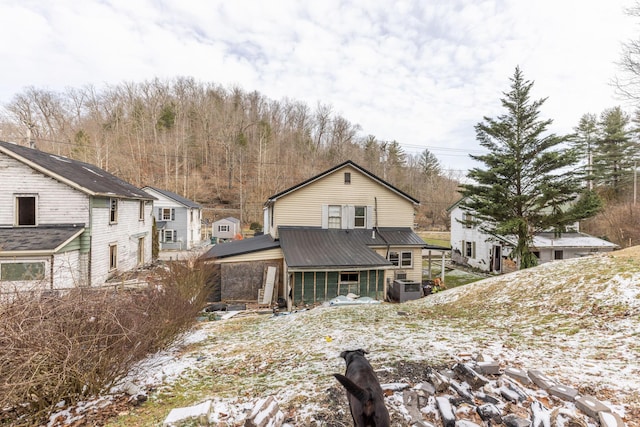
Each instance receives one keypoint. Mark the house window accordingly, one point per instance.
(394, 257)
(141, 210)
(26, 210)
(347, 177)
(335, 216)
(401, 259)
(360, 218)
(113, 257)
(349, 282)
(113, 211)
(167, 214)
(470, 249)
(169, 236)
(558, 255)
(223, 228)
(406, 259)
(141, 251)
(467, 220)
(13, 271)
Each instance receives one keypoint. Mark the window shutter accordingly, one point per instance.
(464, 248)
(159, 214)
(349, 216)
(347, 220)
(325, 216)
(369, 217)
(473, 249)
(173, 214)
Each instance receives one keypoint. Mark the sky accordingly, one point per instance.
(422, 73)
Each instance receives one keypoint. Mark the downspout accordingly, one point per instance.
(51, 272)
(384, 282)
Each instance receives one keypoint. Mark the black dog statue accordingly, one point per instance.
(366, 398)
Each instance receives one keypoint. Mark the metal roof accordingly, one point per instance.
(306, 247)
(239, 247)
(334, 169)
(84, 177)
(178, 198)
(41, 239)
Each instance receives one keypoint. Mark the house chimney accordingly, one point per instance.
(32, 143)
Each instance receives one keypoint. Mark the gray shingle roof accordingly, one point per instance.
(178, 198)
(244, 246)
(42, 239)
(85, 177)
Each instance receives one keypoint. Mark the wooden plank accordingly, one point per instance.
(270, 280)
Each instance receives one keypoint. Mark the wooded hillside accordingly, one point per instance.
(225, 148)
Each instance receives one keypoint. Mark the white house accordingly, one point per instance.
(475, 248)
(65, 223)
(178, 220)
(226, 228)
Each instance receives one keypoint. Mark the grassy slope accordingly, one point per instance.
(577, 320)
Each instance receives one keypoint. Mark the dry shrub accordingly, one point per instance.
(77, 345)
(618, 222)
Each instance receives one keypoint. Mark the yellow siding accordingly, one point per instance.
(254, 256)
(303, 207)
(414, 273)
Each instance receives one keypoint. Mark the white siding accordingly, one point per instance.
(57, 203)
(124, 234)
(460, 235)
(65, 271)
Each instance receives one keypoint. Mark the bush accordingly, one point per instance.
(79, 344)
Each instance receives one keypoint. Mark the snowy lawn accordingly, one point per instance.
(578, 321)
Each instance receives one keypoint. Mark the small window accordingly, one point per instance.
(113, 211)
(335, 216)
(349, 277)
(26, 210)
(141, 251)
(406, 259)
(360, 219)
(558, 255)
(467, 220)
(470, 249)
(14, 271)
(113, 257)
(141, 210)
(394, 257)
(223, 228)
(401, 259)
(347, 177)
(169, 236)
(167, 214)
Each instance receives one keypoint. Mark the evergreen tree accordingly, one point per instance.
(584, 141)
(614, 152)
(429, 164)
(528, 183)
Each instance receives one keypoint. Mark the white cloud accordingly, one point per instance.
(420, 73)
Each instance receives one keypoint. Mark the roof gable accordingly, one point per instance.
(335, 169)
(173, 196)
(84, 177)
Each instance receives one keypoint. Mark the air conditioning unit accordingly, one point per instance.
(400, 275)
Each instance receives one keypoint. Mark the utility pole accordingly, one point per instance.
(635, 181)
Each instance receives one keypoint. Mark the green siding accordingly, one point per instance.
(309, 287)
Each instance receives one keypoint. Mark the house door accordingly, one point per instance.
(496, 261)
